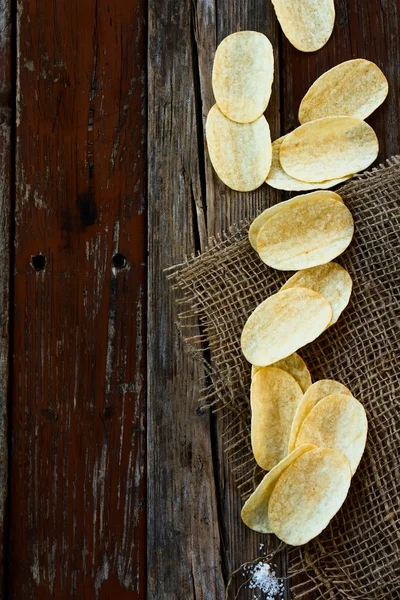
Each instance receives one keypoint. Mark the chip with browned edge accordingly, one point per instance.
(315, 393)
(280, 180)
(295, 366)
(242, 75)
(307, 24)
(330, 280)
(274, 397)
(328, 148)
(354, 88)
(255, 510)
(282, 324)
(240, 152)
(310, 232)
(337, 421)
(308, 494)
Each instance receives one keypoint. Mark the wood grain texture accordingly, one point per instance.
(77, 494)
(184, 546)
(6, 102)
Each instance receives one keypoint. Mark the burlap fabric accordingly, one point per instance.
(358, 555)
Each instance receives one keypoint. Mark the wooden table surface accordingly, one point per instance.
(111, 484)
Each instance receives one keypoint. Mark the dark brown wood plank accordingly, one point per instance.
(77, 505)
(6, 102)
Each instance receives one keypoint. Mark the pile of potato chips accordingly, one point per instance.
(238, 135)
(310, 437)
(333, 141)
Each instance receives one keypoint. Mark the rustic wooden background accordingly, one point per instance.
(112, 485)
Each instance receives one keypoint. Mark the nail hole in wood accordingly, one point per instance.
(38, 262)
(108, 412)
(119, 261)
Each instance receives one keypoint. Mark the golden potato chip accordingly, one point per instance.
(307, 24)
(280, 180)
(295, 366)
(354, 88)
(255, 511)
(270, 212)
(328, 148)
(330, 280)
(284, 323)
(308, 494)
(315, 393)
(337, 421)
(240, 152)
(307, 233)
(274, 397)
(242, 75)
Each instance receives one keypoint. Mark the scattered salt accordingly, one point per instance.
(263, 578)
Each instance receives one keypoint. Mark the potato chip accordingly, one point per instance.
(315, 393)
(255, 511)
(354, 88)
(337, 421)
(328, 148)
(330, 280)
(242, 75)
(270, 212)
(307, 233)
(308, 494)
(307, 24)
(284, 323)
(274, 397)
(280, 180)
(240, 152)
(295, 366)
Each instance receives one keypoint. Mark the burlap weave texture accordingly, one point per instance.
(358, 555)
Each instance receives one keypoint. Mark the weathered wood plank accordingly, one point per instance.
(6, 103)
(5, 177)
(77, 504)
(183, 532)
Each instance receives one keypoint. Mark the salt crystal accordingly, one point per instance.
(264, 579)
